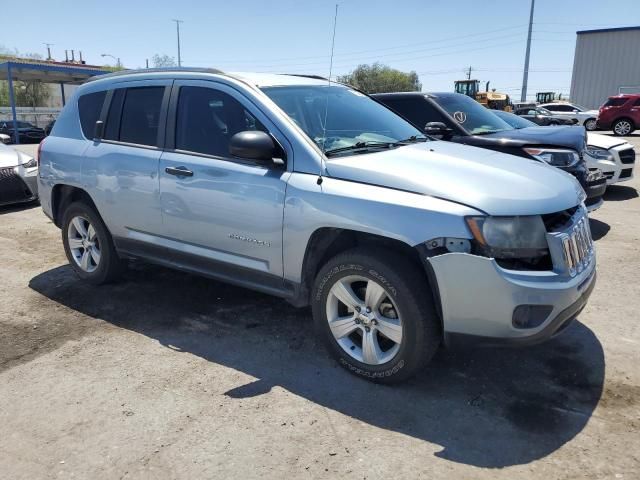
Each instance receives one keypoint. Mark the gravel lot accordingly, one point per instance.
(168, 375)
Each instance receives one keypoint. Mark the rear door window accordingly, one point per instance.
(134, 115)
(89, 108)
(141, 115)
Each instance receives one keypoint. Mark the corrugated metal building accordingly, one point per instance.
(606, 62)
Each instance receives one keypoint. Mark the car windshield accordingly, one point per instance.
(514, 120)
(336, 117)
(472, 116)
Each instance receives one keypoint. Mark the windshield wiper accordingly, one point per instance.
(359, 146)
(411, 139)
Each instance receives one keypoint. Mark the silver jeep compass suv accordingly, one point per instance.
(316, 193)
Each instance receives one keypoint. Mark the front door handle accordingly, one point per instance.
(179, 171)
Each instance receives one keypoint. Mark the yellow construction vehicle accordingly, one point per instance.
(490, 99)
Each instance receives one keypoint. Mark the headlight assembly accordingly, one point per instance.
(558, 157)
(599, 153)
(509, 237)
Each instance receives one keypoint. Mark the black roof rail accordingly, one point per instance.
(154, 70)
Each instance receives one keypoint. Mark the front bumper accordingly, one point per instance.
(18, 185)
(479, 298)
(619, 168)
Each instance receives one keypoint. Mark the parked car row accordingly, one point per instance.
(620, 113)
(457, 118)
(317, 193)
(615, 158)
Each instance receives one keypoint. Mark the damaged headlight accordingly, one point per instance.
(599, 153)
(509, 237)
(558, 157)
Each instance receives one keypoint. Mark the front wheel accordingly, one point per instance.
(623, 127)
(375, 312)
(590, 124)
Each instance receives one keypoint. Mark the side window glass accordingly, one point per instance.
(141, 115)
(89, 108)
(207, 119)
(637, 103)
(112, 127)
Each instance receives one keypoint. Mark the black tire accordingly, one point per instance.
(618, 125)
(553, 123)
(590, 124)
(406, 286)
(110, 266)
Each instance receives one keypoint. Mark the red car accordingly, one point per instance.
(621, 113)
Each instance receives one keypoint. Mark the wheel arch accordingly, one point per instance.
(62, 196)
(326, 242)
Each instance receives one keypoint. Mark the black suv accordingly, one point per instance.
(457, 118)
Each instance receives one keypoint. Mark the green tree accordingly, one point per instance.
(378, 78)
(164, 60)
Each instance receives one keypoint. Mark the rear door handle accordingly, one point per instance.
(179, 171)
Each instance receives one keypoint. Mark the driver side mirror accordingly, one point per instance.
(255, 145)
(437, 129)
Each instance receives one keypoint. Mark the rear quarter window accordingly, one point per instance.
(89, 108)
(616, 102)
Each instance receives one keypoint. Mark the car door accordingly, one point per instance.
(121, 168)
(220, 213)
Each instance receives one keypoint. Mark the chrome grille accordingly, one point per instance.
(577, 246)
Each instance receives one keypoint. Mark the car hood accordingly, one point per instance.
(603, 141)
(569, 136)
(493, 182)
(8, 156)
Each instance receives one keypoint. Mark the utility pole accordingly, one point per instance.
(178, 22)
(49, 50)
(525, 76)
(469, 73)
(147, 60)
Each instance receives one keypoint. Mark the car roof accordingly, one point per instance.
(257, 79)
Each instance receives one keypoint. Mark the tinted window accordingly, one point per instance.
(141, 115)
(208, 118)
(637, 103)
(89, 107)
(560, 108)
(616, 102)
(470, 115)
(417, 110)
(112, 128)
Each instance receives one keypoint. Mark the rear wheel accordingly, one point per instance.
(590, 124)
(88, 245)
(623, 127)
(374, 311)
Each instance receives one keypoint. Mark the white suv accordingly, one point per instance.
(585, 117)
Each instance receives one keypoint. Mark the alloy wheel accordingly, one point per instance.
(84, 244)
(590, 124)
(623, 127)
(364, 320)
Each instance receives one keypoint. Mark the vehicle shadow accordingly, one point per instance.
(488, 408)
(17, 207)
(618, 193)
(598, 228)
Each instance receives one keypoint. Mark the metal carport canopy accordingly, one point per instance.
(46, 72)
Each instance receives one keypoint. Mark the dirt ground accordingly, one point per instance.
(168, 375)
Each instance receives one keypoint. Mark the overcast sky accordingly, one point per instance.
(438, 39)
